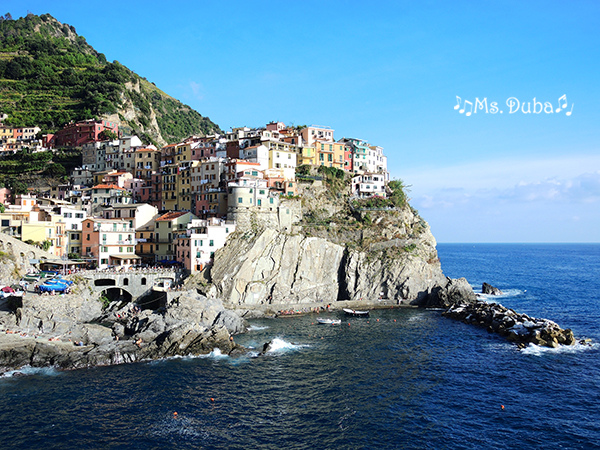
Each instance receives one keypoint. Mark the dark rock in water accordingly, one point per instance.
(518, 328)
(266, 347)
(490, 290)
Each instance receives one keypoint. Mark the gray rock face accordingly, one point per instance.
(282, 269)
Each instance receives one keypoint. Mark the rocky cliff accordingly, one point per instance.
(339, 249)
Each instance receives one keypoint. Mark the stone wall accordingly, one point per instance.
(22, 252)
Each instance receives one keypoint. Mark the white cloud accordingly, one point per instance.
(197, 90)
(575, 180)
(543, 201)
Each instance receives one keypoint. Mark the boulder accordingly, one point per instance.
(231, 321)
(490, 290)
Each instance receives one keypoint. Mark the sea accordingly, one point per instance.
(402, 378)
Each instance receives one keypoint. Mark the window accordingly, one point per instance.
(259, 202)
(271, 200)
(120, 249)
(129, 249)
(240, 200)
(87, 237)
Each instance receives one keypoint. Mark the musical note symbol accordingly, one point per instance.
(458, 102)
(465, 107)
(562, 97)
(571, 112)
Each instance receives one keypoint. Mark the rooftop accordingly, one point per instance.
(171, 215)
(108, 186)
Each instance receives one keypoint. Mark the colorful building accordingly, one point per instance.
(197, 246)
(109, 242)
(77, 134)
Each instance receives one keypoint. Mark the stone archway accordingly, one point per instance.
(117, 294)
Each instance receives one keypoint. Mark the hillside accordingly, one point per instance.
(49, 76)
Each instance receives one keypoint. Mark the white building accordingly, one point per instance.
(73, 218)
(258, 154)
(368, 185)
(196, 248)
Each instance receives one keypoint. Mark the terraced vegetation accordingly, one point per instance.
(49, 76)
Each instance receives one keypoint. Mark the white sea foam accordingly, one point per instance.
(279, 345)
(48, 371)
(506, 293)
(257, 328)
(536, 350)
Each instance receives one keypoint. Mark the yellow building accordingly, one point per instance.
(330, 154)
(306, 155)
(169, 186)
(147, 161)
(184, 185)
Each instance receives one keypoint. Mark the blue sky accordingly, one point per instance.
(390, 73)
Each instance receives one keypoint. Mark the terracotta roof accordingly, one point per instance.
(171, 215)
(107, 186)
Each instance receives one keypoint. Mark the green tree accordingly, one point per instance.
(107, 135)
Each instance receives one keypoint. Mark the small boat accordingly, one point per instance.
(329, 321)
(356, 313)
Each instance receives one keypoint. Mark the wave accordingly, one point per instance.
(28, 371)
(508, 293)
(536, 350)
(257, 327)
(279, 345)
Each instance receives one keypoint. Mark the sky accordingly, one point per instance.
(397, 74)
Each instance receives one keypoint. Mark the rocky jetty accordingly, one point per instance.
(518, 328)
(73, 331)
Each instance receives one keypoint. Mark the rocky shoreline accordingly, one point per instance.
(72, 332)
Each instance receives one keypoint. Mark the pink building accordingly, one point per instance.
(76, 134)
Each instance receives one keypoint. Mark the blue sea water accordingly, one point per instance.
(400, 379)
